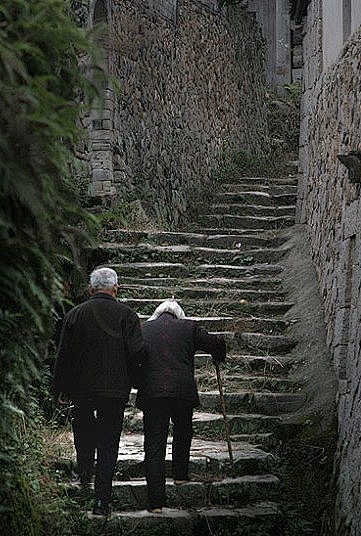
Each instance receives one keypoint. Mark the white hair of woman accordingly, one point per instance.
(103, 278)
(168, 306)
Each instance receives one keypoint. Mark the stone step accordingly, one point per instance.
(207, 458)
(152, 269)
(210, 426)
(176, 269)
(264, 344)
(251, 282)
(219, 239)
(262, 518)
(273, 187)
(114, 251)
(260, 365)
(239, 491)
(241, 241)
(256, 198)
(265, 403)
(272, 326)
(269, 343)
(239, 209)
(270, 181)
(223, 307)
(159, 293)
(246, 222)
(232, 270)
(127, 236)
(271, 234)
(274, 190)
(207, 381)
(262, 441)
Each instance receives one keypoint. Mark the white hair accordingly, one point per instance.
(103, 278)
(168, 306)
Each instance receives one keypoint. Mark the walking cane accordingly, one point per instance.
(223, 408)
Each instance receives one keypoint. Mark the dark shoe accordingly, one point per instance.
(101, 508)
(85, 478)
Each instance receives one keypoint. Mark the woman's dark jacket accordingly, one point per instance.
(100, 341)
(169, 370)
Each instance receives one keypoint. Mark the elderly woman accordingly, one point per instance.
(169, 391)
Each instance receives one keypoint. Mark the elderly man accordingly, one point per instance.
(100, 344)
(169, 391)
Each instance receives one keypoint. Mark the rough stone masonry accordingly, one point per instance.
(191, 83)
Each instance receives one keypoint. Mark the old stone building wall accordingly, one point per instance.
(330, 205)
(191, 83)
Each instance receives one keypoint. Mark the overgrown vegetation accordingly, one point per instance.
(305, 467)
(42, 229)
(283, 126)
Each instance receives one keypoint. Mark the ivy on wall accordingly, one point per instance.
(42, 223)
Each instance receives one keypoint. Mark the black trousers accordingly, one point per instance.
(156, 418)
(97, 425)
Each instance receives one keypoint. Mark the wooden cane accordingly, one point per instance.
(223, 408)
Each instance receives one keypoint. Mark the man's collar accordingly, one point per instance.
(102, 295)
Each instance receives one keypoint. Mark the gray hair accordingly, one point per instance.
(103, 278)
(168, 306)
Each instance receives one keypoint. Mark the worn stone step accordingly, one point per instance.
(262, 364)
(252, 282)
(246, 222)
(232, 270)
(269, 343)
(178, 270)
(207, 381)
(280, 187)
(256, 198)
(239, 491)
(265, 441)
(127, 236)
(242, 241)
(220, 239)
(262, 343)
(211, 425)
(271, 234)
(132, 292)
(208, 459)
(273, 190)
(291, 179)
(114, 252)
(266, 403)
(239, 209)
(272, 326)
(262, 517)
(151, 269)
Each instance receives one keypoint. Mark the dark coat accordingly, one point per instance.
(169, 371)
(99, 340)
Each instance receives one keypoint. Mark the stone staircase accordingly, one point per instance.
(226, 274)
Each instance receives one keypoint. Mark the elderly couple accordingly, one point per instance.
(101, 351)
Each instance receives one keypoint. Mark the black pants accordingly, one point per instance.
(156, 418)
(97, 425)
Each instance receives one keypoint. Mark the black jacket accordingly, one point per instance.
(99, 341)
(169, 371)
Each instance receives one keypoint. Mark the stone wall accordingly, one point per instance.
(191, 83)
(331, 206)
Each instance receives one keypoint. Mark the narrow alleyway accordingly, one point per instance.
(226, 273)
